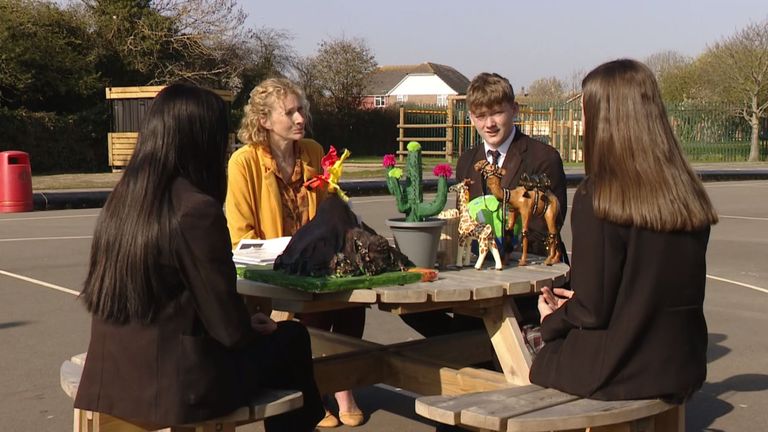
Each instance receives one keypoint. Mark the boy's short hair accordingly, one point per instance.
(489, 90)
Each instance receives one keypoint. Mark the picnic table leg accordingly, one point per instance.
(281, 315)
(507, 339)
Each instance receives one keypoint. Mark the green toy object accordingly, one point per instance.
(409, 196)
(489, 210)
(326, 283)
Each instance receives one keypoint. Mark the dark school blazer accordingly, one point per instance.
(635, 326)
(525, 155)
(184, 366)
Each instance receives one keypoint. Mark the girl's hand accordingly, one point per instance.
(550, 301)
(263, 324)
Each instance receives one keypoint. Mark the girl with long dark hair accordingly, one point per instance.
(171, 341)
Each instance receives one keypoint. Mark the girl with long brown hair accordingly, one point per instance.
(633, 326)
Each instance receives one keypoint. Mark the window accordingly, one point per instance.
(379, 101)
(402, 98)
(442, 100)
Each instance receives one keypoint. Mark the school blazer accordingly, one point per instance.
(635, 327)
(525, 155)
(185, 365)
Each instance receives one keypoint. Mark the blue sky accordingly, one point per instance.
(520, 40)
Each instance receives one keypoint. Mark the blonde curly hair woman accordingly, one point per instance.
(266, 196)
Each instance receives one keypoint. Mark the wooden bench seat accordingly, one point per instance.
(532, 408)
(271, 402)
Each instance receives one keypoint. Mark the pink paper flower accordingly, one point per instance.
(389, 161)
(443, 170)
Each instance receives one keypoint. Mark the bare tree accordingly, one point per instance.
(266, 53)
(305, 74)
(271, 53)
(546, 89)
(195, 40)
(666, 61)
(341, 68)
(573, 82)
(736, 70)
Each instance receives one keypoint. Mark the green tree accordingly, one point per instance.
(735, 70)
(46, 60)
(678, 76)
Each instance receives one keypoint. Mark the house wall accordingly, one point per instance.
(367, 103)
(413, 99)
(422, 85)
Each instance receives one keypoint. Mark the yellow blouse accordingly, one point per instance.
(254, 204)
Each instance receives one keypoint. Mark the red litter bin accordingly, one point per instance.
(15, 182)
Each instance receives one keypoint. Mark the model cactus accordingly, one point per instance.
(409, 196)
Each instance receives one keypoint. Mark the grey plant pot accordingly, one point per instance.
(417, 240)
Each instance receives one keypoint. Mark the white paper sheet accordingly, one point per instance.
(255, 251)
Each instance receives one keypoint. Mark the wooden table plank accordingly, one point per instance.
(538, 278)
(480, 287)
(448, 289)
(352, 296)
(260, 289)
(411, 293)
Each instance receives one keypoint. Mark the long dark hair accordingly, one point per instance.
(184, 135)
(632, 157)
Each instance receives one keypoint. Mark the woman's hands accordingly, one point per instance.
(263, 324)
(550, 301)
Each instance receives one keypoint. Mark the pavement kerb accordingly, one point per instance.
(78, 199)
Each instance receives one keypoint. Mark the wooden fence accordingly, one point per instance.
(448, 132)
(128, 106)
(707, 132)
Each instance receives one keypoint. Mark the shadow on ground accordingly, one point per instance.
(12, 324)
(710, 403)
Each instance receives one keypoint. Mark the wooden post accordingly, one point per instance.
(449, 132)
(401, 126)
(571, 136)
(552, 126)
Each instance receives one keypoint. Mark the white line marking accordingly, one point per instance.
(39, 282)
(46, 238)
(743, 217)
(763, 290)
(49, 217)
(725, 184)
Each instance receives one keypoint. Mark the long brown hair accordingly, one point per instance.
(184, 135)
(632, 158)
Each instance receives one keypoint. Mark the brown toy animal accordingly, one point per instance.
(527, 202)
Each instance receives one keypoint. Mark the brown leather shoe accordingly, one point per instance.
(329, 421)
(352, 418)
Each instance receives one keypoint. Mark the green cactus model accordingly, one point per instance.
(409, 196)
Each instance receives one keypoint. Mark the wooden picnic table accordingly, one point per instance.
(437, 365)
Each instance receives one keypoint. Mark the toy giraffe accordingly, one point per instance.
(470, 229)
(521, 202)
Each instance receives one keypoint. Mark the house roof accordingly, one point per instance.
(385, 78)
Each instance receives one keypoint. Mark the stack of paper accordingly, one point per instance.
(255, 251)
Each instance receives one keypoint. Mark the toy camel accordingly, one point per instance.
(470, 229)
(533, 198)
